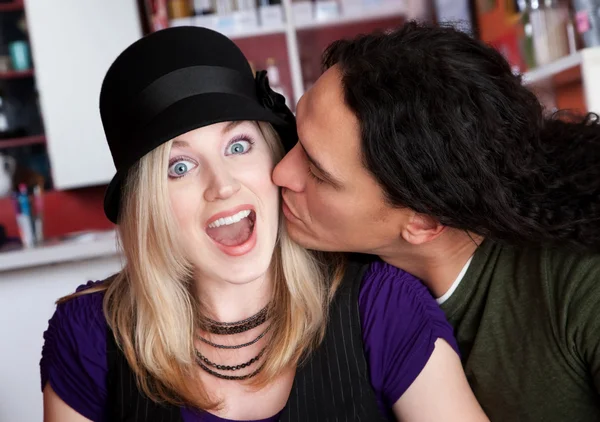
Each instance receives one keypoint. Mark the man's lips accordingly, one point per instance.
(287, 211)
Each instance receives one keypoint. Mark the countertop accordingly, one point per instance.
(74, 248)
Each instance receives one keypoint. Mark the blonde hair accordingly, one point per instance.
(154, 315)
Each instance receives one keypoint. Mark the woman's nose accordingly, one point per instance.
(222, 185)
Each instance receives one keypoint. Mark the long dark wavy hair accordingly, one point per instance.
(448, 130)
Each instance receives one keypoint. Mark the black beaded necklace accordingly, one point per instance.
(236, 346)
(230, 328)
(226, 367)
(228, 377)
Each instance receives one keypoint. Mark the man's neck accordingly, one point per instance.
(437, 263)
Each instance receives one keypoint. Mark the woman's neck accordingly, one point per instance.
(229, 302)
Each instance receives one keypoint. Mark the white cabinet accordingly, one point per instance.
(73, 43)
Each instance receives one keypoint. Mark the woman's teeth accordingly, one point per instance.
(225, 221)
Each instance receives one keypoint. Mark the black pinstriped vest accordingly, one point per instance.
(333, 385)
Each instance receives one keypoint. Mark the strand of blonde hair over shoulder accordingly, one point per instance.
(151, 308)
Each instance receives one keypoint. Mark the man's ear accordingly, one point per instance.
(421, 229)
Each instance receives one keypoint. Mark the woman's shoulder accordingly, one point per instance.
(401, 322)
(84, 306)
(381, 279)
(90, 292)
(394, 299)
(73, 358)
(78, 325)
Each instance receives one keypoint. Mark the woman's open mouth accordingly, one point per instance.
(234, 234)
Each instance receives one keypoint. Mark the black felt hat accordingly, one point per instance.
(174, 81)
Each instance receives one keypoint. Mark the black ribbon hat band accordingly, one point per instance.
(185, 83)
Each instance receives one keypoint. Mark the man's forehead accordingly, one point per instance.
(327, 93)
(327, 127)
(323, 108)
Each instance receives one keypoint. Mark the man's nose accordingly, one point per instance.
(291, 172)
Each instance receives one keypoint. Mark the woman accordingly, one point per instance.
(198, 218)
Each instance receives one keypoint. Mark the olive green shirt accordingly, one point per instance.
(527, 323)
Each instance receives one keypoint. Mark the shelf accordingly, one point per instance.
(12, 6)
(21, 142)
(15, 74)
(582, 67)
(256, 32)
(226, 24)
(544, 73)
(364, 15)
(76, 248)
(551, 70)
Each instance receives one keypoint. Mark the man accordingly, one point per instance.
(422, 147)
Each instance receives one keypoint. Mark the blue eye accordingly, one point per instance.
(241, 146)
(180, 168)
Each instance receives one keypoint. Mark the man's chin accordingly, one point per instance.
(300, 236)
(306, 240)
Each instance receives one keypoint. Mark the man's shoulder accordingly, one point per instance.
(569, 261)
(571, 276)
(559, 266)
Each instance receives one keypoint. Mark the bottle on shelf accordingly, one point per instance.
(224, 7)
(587, 18)
(180, 9)
(270, 13)
(549, 20)
(327, 10)
(419, 10)
(456, 11)
(304, 11)
(246, 15)
(224, 16)
(204, 7)
(205, 13)
(4, 127)
(246, 5)
(158, 15)
(527, 48)
(8, 127)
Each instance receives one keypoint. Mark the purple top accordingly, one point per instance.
(400, 324)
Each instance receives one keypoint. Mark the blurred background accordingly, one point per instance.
(54, 162)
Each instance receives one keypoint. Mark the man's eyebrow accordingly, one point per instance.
(323, 173)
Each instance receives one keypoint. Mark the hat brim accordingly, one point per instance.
(182, 117)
